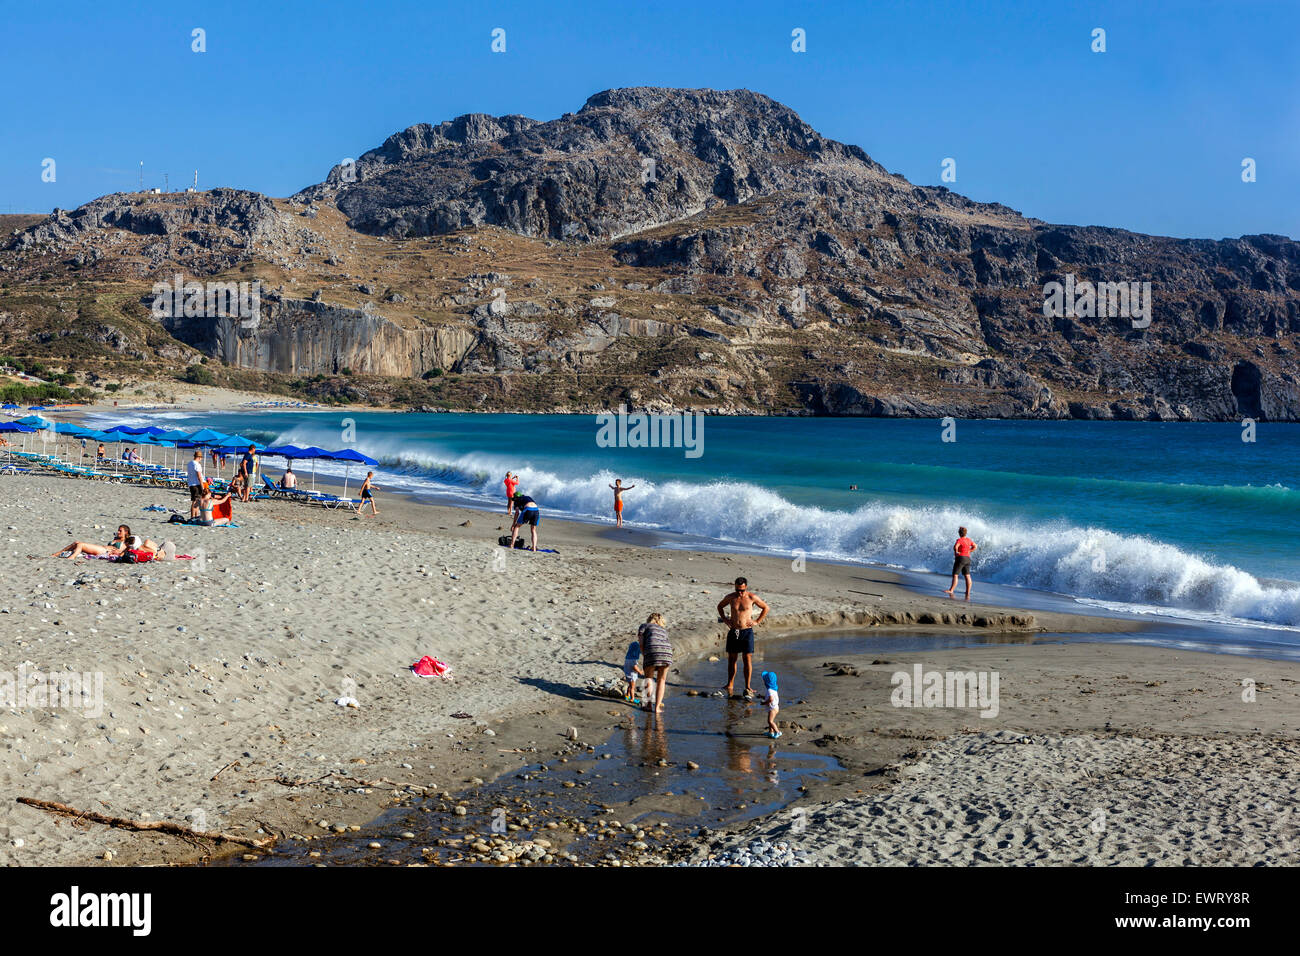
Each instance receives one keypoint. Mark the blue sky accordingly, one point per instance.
(1149, 135)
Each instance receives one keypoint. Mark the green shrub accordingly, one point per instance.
(198, 375)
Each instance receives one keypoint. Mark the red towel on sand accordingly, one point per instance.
(429, 667)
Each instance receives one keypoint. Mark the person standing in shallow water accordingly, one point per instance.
(657, 652)
(511, 482)
(736, 611)
(962, 549)
(618, 488)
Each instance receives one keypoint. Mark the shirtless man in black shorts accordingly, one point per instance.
(736, 610)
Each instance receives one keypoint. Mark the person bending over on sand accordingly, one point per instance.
(739, 607)
(657, 653)
(526, 513)
(76, 548)
(962, 549)
(368, 494)
(511, 482)
(618, 488)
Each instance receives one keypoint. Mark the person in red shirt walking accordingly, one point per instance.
(512, 483)
(961, 552)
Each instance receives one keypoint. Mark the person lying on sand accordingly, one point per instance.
(78, 548)
(135, 542)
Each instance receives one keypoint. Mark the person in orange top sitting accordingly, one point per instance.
(961, 551)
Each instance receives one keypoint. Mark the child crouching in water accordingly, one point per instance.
(773, 703)
(632, 670)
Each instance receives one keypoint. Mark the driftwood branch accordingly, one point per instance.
(161, 826)
(333, 780)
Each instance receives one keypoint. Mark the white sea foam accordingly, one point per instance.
(1091, 563)
(1128, 572)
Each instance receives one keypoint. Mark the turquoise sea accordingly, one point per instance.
(1171, 518)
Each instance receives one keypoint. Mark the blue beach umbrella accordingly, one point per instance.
(240, 442)
(293, 451)
(284, 451)
(349, 456)
(207, 436)
(17, 427)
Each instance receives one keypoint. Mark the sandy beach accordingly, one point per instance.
(1100, 754)
(221, 676)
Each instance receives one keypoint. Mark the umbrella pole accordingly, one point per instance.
(347, 470)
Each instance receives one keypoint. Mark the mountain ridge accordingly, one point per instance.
(694, 248)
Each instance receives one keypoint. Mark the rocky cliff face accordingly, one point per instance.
(298, 336)
(697, 247)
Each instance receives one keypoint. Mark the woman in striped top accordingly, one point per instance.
(657, 655)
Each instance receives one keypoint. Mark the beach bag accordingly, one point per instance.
(135, 556)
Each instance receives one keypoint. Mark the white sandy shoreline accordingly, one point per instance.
(239, 661)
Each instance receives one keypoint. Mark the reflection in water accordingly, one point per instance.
(646, 735)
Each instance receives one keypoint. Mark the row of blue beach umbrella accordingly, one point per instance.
(218, 442)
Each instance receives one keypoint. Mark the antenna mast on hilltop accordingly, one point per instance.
(166, 184)
(142, 175)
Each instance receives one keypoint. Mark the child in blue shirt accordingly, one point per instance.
(632, 670)
(772, 701)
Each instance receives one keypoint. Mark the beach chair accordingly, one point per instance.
(334, 501)
(275, 491)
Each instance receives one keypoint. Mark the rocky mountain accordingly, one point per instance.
(676, 248)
